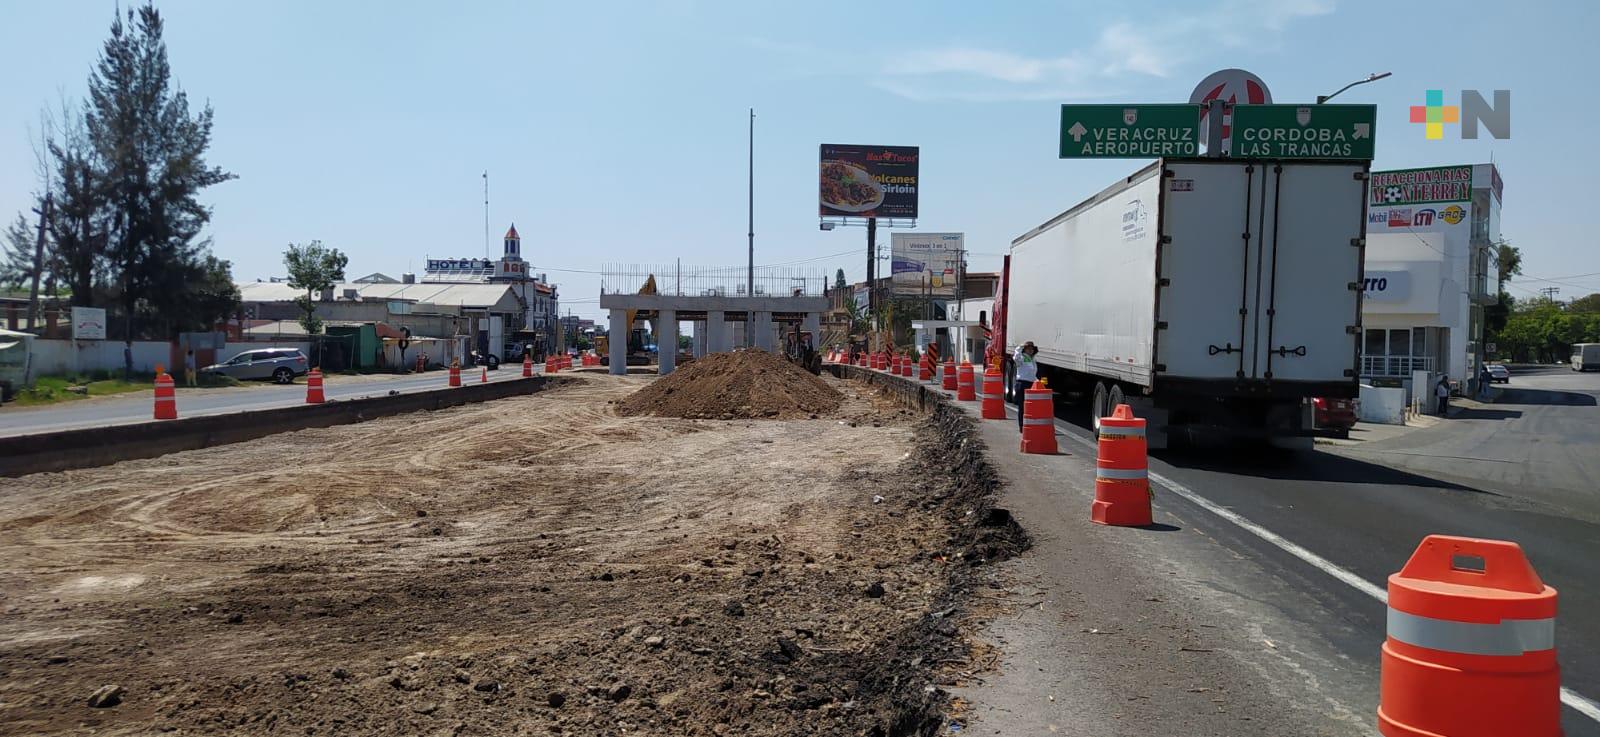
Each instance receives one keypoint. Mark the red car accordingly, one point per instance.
(1335, 414)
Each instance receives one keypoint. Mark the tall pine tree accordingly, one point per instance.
(153, 156)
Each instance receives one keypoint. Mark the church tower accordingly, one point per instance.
(511, 265)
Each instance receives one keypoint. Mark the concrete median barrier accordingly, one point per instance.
(61, 451)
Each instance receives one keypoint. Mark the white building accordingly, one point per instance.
(1430, 271)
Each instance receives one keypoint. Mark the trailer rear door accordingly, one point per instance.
(1256, 267)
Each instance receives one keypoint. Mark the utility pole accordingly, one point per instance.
(750, 274)
(1550, 293)
(486, 214)
(34, 310)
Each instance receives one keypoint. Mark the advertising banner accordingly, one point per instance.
(868, 181)
(1418, 186)
(925, 264)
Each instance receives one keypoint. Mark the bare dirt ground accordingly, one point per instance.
(535, 565)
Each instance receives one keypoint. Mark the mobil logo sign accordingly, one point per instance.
(1403, 217)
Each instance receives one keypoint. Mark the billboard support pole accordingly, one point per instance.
(1214, 129)
(872, 281)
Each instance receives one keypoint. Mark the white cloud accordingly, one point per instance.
(1121, 50)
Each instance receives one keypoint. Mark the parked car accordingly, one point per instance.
(1499, 374)
(1336, 414)
(278, 364)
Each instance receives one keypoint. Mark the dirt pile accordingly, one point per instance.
(744, 384)
(493, 570)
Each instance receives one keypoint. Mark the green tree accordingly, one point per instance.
(838, 280)
(1587, 304)
(1509, 258)
(313, 267)
(152, 151)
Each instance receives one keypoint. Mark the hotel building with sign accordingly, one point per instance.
(1430, 271)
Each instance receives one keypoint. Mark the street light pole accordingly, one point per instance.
(750, 274)
(1369, 78)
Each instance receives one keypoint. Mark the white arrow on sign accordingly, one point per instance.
(1363, 130)
(1077, 130)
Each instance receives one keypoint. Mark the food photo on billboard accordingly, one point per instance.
(868, 182)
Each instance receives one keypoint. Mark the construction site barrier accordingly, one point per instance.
(949, 375)
(527, 365)
(166, 398)
(314, 387)
(994, 395)
(1122, 474)
(925, 368)
(1471, 648)
(1039, 420)
(966, 386)
(455, 376)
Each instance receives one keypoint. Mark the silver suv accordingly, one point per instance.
(279, 364)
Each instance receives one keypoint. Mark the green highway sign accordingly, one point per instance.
(1303, 131)
(1129, 131)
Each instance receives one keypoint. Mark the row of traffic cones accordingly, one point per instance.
(1470, 648)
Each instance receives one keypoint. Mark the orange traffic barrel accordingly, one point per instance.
(1122, 473)
(1038, 420)
(949, 375)
(925, 367)
(166, 398)
(314, 387)
(455, 375)
(905, 365)
(527, 365)
(966, 387)
(549, 364)
(1471, 646)
(994, 400)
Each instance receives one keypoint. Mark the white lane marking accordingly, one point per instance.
(1579, 703)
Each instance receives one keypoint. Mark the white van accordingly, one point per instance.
(1585, 356)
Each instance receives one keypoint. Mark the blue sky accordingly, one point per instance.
(615, 132)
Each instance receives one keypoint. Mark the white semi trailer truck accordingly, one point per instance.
(1215, 296)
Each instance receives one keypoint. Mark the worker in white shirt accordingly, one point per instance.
(1027, 372)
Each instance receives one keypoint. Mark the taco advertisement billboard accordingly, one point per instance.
(868, 182)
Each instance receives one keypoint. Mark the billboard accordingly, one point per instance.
(1419, 186)
(868, 182)
(88, 323)
(925, 264)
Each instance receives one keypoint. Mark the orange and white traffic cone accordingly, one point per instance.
(1039, 420)
(994, 399)
(527, 365)
(1122, 474)
(314, 387)
(166, 398)
(484, 379)
(966, 391)
(1471, 646)
(949, 375)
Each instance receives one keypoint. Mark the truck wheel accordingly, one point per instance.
(1114, 398)
(1098, 408)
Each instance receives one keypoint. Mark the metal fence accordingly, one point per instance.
(714, 281)
(1395, 365)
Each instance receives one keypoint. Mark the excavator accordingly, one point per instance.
(637, 355)
(799, 347)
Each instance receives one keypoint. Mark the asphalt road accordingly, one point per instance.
(1525, 469)
(1313, 535)
(137, 406)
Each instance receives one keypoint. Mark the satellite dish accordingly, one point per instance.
(1233, 86)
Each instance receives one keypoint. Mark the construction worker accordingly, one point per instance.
(1027, 372)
